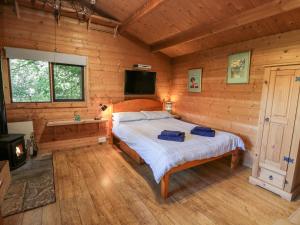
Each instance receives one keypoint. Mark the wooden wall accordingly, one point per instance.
(232, 107)
(108, 57)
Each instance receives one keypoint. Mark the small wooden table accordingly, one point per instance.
(59, 123)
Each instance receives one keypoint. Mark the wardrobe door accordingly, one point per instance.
(278, 126)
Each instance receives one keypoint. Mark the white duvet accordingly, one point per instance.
(162, 155)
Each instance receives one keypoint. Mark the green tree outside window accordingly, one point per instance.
(68, 82)
(29, 80)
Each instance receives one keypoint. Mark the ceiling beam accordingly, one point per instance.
(148, 7)
(69, 12)
(264, 11)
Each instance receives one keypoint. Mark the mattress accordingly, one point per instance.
(162, 155)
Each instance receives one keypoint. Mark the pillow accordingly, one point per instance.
(154, 115)
(128, 116)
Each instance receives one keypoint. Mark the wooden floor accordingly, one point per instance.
(99, 185)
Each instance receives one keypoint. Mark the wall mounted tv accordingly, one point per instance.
(139, 82)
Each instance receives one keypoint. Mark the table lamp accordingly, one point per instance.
(168, 106)
(102, 108)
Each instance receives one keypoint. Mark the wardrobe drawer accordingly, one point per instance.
(272, 178)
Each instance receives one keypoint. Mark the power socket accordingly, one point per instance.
(102, 140)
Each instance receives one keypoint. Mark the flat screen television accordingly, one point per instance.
(139, 82)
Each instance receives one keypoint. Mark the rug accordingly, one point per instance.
(32, 186)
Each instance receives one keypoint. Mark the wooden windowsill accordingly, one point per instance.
(46, 105)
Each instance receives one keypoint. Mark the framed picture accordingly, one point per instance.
(238, 68)
(194, 80)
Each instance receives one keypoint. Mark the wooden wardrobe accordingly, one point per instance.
(276, 165)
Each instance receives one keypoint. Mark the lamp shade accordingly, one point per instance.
(168, 106)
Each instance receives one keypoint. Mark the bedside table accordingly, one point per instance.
(176, 116)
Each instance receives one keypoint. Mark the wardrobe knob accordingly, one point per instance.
(270, 177)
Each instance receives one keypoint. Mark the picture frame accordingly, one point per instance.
(195, 80)
(239, 68)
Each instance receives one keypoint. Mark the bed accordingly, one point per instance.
(139, 140)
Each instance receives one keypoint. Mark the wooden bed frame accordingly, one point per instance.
(137, 105)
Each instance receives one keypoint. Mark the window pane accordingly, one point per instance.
(29, 80)
(68, 82)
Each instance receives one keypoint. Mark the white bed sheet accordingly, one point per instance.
(162, 155)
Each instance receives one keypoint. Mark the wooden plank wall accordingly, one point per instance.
(108, 57)
(232, 107)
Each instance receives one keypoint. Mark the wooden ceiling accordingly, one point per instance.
(176, 16)
(179, 27)
(120, 9)
(273, 25)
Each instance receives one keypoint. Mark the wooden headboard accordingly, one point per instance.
(137, 105)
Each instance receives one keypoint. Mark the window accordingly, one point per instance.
(68, 82)
(31, 81)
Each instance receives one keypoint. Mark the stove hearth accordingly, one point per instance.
(12, 148)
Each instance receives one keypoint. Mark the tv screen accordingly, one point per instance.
(139, 82)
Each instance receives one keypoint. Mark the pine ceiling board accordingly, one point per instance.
(175, 16)
(147, 30)
(160, 23)
(288, 21)
(120, 9)
(277, 24)
(246, 4)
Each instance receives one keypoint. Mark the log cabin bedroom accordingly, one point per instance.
(150, 112)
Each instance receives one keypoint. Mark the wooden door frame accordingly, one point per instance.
(292, 179)
(263, 105)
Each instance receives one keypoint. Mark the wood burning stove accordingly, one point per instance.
(12, 148)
